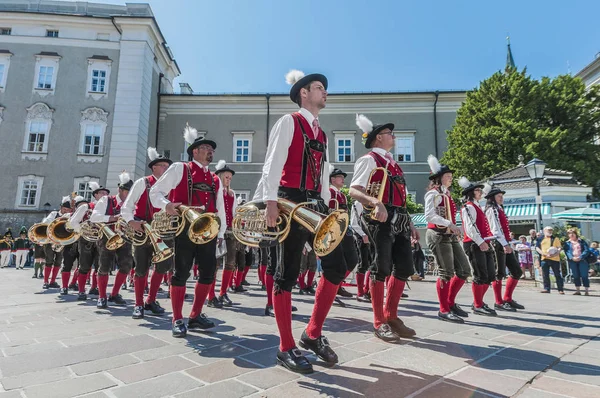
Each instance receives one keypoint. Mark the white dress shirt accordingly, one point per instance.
(432, 201)
(128, 207)
(469, 222)
(170, 180)
(52, 216)
(357, 209)
(280, 140)
(495, 225)
(99, 212)
(77, 217)
(363, 167)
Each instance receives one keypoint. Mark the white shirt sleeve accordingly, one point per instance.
(258, 194)
(234, 207)
(279, 144)
(99, 212)
(362, 171)
(325, 193)
(495, 226)
(221, 210)
(135, 192)
(50, 217)
(164, 185)
(470, 225)
(357, 208)
(76, 218)
(432, 200)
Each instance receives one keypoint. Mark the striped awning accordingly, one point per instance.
(419, 221)
(595, 205)
(526, 211)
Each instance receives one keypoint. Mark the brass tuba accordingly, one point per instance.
(37, 233)
(203, 227)
(376, 188)
(59, 232)
(249, 226)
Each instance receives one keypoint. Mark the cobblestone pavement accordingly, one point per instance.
(58, 347)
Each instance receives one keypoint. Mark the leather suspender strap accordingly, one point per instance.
(305, 154)
(149, 207)
(190, 183)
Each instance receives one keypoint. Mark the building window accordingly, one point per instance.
(81, 187)
(99, 67)
(37, 131)
(4, 65)
(344, 147)
(37, 137)
(46, 71)
(28, 192)
(52, 33)
(405, 147)
(245, 195)
(92, 140)
(98, 81)
(242, 147)
(5, 31)
(45, 77)
(94, 122)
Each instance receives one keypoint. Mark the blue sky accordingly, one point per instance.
(379, 45)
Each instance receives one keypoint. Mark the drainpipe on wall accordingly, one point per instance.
(160, 77)
(268, 97)
(435, 126)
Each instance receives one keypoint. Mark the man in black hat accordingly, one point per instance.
(192, 184)
(53, 252)
(70, 254)
(108, 211)
(388, 226)
(22, 246)
(136, 211)
(5, 248)
(88, 252)
(296, 168)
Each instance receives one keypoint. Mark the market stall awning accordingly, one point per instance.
(529, 210)
(419, 221)
(579, 214)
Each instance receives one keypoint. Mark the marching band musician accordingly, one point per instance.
(22, 246)
(54, 258)
(137, 210)
(504, 253)
(390, 230)
(5, 248)
(362, 240)
(296, 169)
(88, 253)
(70, 253)
(475, 243)
(442, 238)
(192, 184)
(107, 210)
(38, 260)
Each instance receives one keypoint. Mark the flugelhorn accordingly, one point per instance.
(162, 252)
(203, 227)
(113, 239)
(376, 188)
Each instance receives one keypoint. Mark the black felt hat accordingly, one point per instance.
(337, 172)
(490, 191)
(222, 167)
(369, 130)
(193, 138)
(97, 188)
(437, 169)
(155, 157)
(467, 186)
(8, 233)
(125, 181)
(66, 202)
(297, 79)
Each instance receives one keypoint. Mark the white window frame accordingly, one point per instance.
(5, 62)
(37, 113)
(245, 195)
(92, 117)
(46, 61)
(87, 192)
(344, 135)
(7, 30)
(403, 135)
(21, 180)
(99, 65)
(184, 155)
(51, 33)
(242, 135)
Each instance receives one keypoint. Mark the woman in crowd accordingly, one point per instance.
(525, 256)
(577, 252)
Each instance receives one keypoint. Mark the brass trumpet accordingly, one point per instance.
(203, 227)
(58, 232)
(376, 188)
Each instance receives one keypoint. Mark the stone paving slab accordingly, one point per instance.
(70, 387)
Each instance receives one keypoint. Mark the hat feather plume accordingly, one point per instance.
(487, 188)
(65, 199)
(434, 164)
(293, 76)
(124, 177)
(464, 182)
(190, 134)
(152, 153)
(364, 124)
(79, 198)
(93, 185)
(220, 164)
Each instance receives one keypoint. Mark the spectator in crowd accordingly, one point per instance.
(418, 261)
(594, 265)
(577, 251)
(525, 256)
(549, 249)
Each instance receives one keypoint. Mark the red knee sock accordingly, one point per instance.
(75, 277)
(346, 275)
(443, 288)
(132, 274)
(154, 286)
(195, 268)
(377, 289)
(282, 305)
(55, 270)
(395, 288)
(301, 279)
(360, 283)
(261, 273)
(177, 297)
(246, 269)
(102, 285)
(269, 286)
(81, 278)
(139, 290)
(65, 276)
(94, 277)
(225, 281)
(200, 293)
(511, 284)
(310, 277)
(367, 283)
(324, 297)
(455, 285)
(497, 286)
(211, 291)
(120, 278)
(478, 291)
(166, 277)
(239, 277)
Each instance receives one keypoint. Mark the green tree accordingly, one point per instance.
(511, 114)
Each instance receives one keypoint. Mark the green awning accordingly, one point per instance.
(419, 221)
(528, 210)
(579, 214)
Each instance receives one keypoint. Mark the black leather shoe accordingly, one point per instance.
(45, 286)
(363, 299)
(117, 299)
(401, 329)
(294, 361)
(34, 276)
(101, 303)
(481, 311)
(154, 307)
(456, 310)
(309, 290)
(344, 293)
(239, 289)
(138, 312)
(269, 310)
(339, 302)
(263, 287)
(64, 292)
(319, 346)
(225, 301)
(294, 308)
(515, 305)
(450, 317)
(82, 297)
(94, 292)
(179, 330)
(245, 283)
(385, 333)
(367, 296)
(200, 322)
(214, 303)
(404, 295)
(504, 307)
(491, 311)
(54, 285)
(73, 286)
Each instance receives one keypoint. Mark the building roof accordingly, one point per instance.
(518, 178)
(329, 93)
(77, 8)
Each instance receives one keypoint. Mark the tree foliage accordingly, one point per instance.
(511, 114)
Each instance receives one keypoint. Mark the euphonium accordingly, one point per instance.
(376, 188)
(136, 238)
(161, 250)
(203, 227)
(37, 233)
(92, 232)
(58, 231)
(249, 226)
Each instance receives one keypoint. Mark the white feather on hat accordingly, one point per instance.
(240, 200)
(464, 182)
(93, 185)
(293, 76)
(152, 153)
(364, 124)
(434, 164)
(78, 198)
(65, 199)
(190, 134)
(331, 168)
(220, 164)
(124, 177)
(487, 188)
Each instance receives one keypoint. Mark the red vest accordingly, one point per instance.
(113, 207)
(292, 170)
(228, 200)
(452, 210)
(340, 197)
(504, 223)
(88, 212)
(143, 208)
(481, 222)
(398, 189)
(199, 198)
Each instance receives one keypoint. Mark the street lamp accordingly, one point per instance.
(535, 168)
(47, 207)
